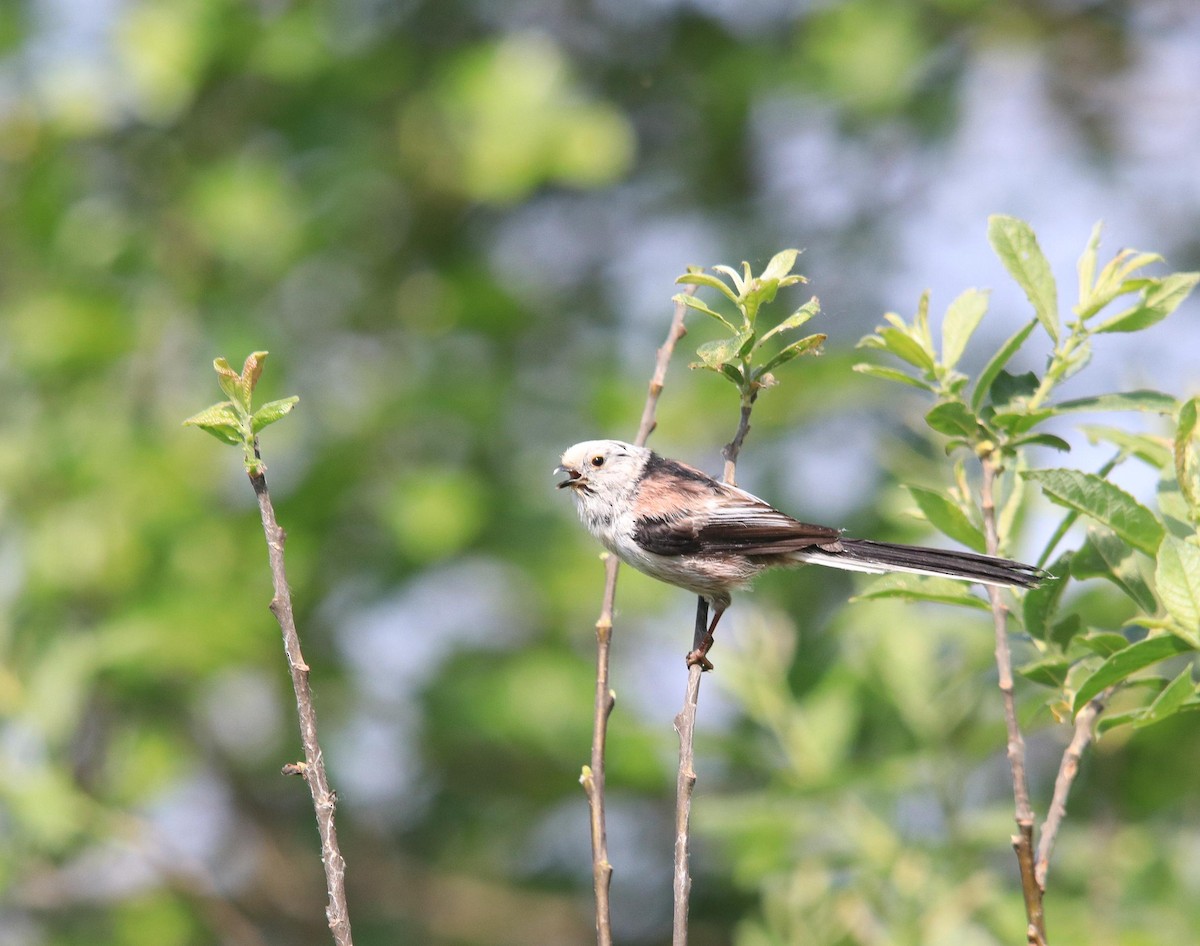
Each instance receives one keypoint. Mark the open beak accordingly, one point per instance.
(574, 478)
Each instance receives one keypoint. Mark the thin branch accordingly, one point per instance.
(1023, 839)
(658, 379)
(685, 725)
(685, 783)
(1067, 770)
(313, 767)
(592, 778)
(734, 447)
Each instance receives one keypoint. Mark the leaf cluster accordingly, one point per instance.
(1001, 411)
(740, 356)
(1150, 556)
(233, 421)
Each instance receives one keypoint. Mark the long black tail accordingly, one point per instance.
(863, 555)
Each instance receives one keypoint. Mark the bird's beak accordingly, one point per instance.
(574, 478)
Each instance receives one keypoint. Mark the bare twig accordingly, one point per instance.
(1023, 839)
(313, 769)
(685, 783)
(734, 447)
(1067, 770)
(674, 334)
(685, 725)
(592, 778)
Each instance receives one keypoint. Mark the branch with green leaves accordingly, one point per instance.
(1102, 675)
(747, 356)
(744, 358)
(233, 421)
(237, 423)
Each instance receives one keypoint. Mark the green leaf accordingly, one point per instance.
(1177, 577)
(221, 420)
(1043, 440)
(1017, 246)
(1159, 299)
(1007, 388)
(758, 293)
(810, 343)
(1040, 603)
(1105, 556)
(1117, 271)
(1113, 280)
(693, 303)
(954, 419)
(1170, 701)
(993, 368)
(1105, 643)
(252, 370)
(922, 588)
(1074, 361)
(811, 308)
(1125, 663)
(1049, 671)
(272, 411)
(1019, 421)
(947, 517)
(734, 374)
(739, 283)
(1151, 401)
(962, 318)
(703, 279)
(920, 325)
(892, 374)
(230, 382)
(1145, 447)
(719, 352)
(1188, 419)
(1011, 507)
(781, 264)
(900, 343)
(1172, 505)
(1064, 631)
(1183, 456)
(1105, 503)
(1111, 721)
(1087, 262)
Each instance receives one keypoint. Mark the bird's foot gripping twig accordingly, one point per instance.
(703, 639)
(698, 656)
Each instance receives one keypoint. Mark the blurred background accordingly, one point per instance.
(456, 226)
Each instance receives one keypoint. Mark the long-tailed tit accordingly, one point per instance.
(681, 526)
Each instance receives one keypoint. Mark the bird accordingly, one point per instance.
(681, 526)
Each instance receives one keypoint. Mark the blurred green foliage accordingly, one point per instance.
(455, 226)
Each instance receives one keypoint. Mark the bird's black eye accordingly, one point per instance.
(598, 460)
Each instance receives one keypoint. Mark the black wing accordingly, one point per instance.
(732, 521)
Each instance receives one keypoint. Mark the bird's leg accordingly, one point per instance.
(703, 639)
(701, 622)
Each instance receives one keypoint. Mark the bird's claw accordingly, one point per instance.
(697, 658)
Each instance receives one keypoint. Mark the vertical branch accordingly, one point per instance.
(658, 379)
(1067, 770)
(685, 726)
(313, 767)
(685, 783)
(734, 447)
(1023, 840)
(592, 778)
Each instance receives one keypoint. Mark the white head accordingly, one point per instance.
(602, 471)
